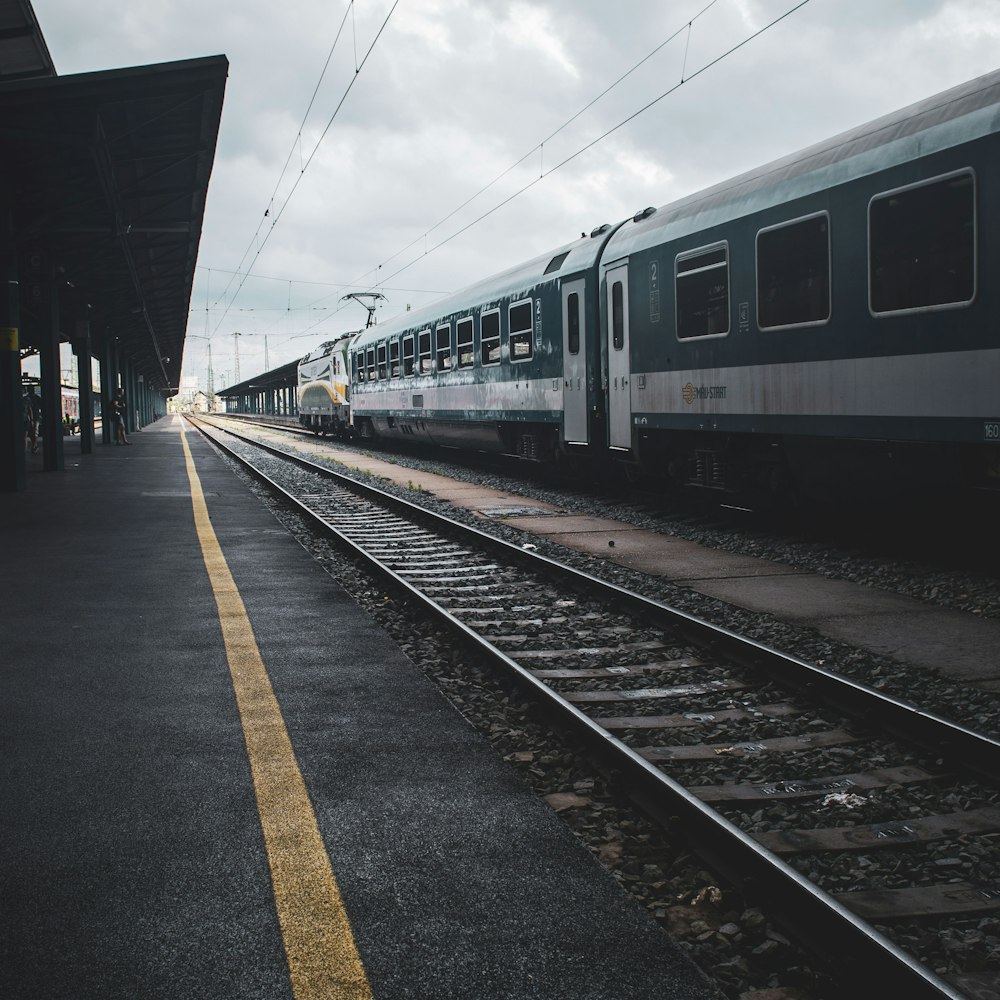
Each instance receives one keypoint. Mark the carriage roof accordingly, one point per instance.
(959, 115)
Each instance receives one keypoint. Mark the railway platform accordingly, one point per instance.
(221, 779)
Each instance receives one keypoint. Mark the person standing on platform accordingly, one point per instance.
(118, 417)
(31, 410)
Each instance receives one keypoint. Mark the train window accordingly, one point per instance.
(617, 316)
(466, 355)
(793, 273)
(370, 354)
(408, 355)
(489, 338)
(520, 331)
(359, 366)
(443, 345)
(382, 371)
(424, 352)
(394, 358)
(922, 245)
(573, 322)
(702, 285)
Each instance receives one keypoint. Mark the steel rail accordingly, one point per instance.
(958, 744)
(870, 961)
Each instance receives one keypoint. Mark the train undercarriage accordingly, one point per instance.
(779, 470)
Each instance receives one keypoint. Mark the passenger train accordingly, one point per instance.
(828, 324)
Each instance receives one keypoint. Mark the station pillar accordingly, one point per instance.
(53, 459)
(82, 350)
(109, 382)
(131, 386)
(12, 465)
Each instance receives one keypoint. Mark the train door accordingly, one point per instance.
(619, 374)
(576, 428)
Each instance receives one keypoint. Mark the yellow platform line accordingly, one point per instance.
(323, 960)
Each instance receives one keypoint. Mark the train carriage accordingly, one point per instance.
(825, 325)
(829, 319)
(508, 365)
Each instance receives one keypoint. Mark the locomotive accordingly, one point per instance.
(323, 387)
(827, 324)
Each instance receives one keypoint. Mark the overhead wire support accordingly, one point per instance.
(236, 345)
(354, 23)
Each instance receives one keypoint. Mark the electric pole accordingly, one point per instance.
(211, 381)
(236, 341)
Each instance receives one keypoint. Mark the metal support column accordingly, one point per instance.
(82, 350)
(109, 382)
(131, 394)
(126, 388)
(53, 458)
(12, 467)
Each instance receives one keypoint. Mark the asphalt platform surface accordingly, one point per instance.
(132, 858)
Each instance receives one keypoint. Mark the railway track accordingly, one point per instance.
(718, 730)
(935, 536)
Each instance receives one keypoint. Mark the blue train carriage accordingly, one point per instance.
(324, 387)
(504, 366)
(830, 321)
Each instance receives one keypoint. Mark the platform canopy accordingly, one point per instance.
(23, 51)
(105, 176)
(283, 377)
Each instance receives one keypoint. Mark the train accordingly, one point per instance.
(827, 325)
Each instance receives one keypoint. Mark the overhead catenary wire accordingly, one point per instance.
(357, 283)
(285, 280)
(277, 215)
(539, 147)
(593, 142)
(296, 144)
(382, 282)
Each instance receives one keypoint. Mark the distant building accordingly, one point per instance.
(193, 401)
(202, 402)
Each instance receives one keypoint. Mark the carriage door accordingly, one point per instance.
(575, 427)
(619, 376)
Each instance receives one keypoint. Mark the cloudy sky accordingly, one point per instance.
(439, 98)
